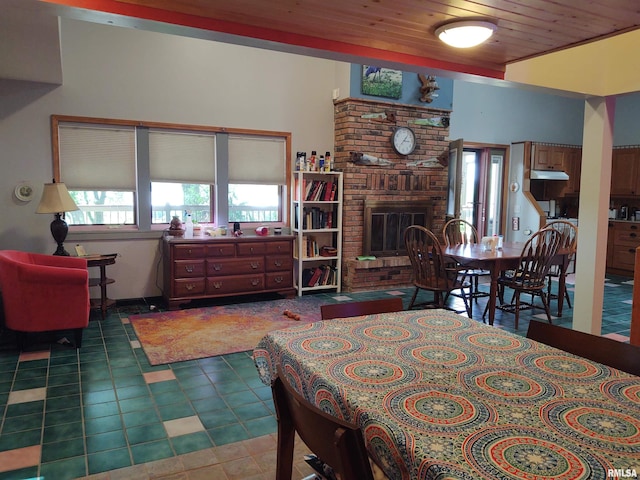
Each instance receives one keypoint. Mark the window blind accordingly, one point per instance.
(257, 160)
(182, 157)
(95, 157)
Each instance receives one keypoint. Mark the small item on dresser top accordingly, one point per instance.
(188, 227)
(277, 230)
(262, 231)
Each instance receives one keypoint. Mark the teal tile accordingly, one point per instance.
(132, 391)
(27, 383)
(23, 423)
(106, 441)
(26, 408)
(218, 418)
(136, 404)
(109, 423)
(176, 410)
(100, 396)
(25, 438)
(194, 381)
(261, 426)
(166, 386)
(66, 469)
(61, 403)
(101, 409)
(125, 371)
(251, 411)
(229, 434)
(149, 452)
(69, 370)
(62, 449)
(65, 431)
(169, 398)
(29, 472)
(145, 417)
(108, 460)
(241, 398)
(137, 379)
(191, 442)
(146, 433)
(233, 386)
(208, 404)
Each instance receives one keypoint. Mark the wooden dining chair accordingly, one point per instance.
(530, 276)
(460, 232)
(615, 354)
(354, 309)
(430, 270)
(335, 442)
(568, 243)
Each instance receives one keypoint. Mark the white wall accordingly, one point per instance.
(111, 72)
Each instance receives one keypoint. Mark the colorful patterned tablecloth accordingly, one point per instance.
(439, 396)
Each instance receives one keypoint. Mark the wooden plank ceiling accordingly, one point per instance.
(400, 30)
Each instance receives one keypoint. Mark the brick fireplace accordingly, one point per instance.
(365, 126)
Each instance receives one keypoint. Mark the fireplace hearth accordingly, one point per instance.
(386, 221)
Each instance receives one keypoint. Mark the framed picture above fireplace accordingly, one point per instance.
(381, 82)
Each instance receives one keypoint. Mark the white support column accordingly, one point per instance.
(595, 185)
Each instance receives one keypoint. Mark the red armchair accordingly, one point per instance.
(42, 293)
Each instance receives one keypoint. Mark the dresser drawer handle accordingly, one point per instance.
(188, 268)
(217, 285)
(255, 282)
(254, 265)
(189, 252)
(633, 235)
(278, 279)
(634, 227)
(189, 286)
(221, 251)
(277, 263)
(217, 267)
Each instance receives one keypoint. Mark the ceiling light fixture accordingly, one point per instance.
(465, 33)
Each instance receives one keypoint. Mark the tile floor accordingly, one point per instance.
(102, 411)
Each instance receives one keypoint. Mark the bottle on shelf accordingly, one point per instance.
(327, 162)
(188, 227)
(311, 164)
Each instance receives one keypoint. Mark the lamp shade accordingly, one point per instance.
(56, 199)
(465, 33)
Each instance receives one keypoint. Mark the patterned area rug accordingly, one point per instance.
(189, 334)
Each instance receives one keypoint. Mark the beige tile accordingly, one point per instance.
(261, 444)
(183, 426)
(201, 458)
(30, 395)
(28, 356)
(241, 468)
(159, 376)
(135, 344)
(209, 473)
(125, 320)
(20, 458)
(232, 451)
(136, 472)
(168, 466)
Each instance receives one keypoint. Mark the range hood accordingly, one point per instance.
(548, 175)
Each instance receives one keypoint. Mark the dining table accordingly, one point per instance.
(496, 261)
(440, 396)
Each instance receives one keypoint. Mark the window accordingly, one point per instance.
(183, 174)
(125, 172)
(257, 176)
(97, 163)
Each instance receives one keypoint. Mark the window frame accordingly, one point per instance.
(142, 195)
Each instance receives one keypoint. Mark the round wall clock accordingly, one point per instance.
(403, 140)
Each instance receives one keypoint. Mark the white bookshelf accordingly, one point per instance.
(317, 226)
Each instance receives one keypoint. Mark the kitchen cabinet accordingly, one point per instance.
(573, 167)
(623, 239)
(548, 157)
(625, 169)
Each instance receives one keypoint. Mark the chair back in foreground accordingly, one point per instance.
(430, 266)
(623, 356)
(336, 442)
(459, 232)
(353, 309)
(530, 276)
(43, 293)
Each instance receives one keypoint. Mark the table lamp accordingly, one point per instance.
(56, 200)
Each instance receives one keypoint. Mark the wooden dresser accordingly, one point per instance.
(208, 267)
